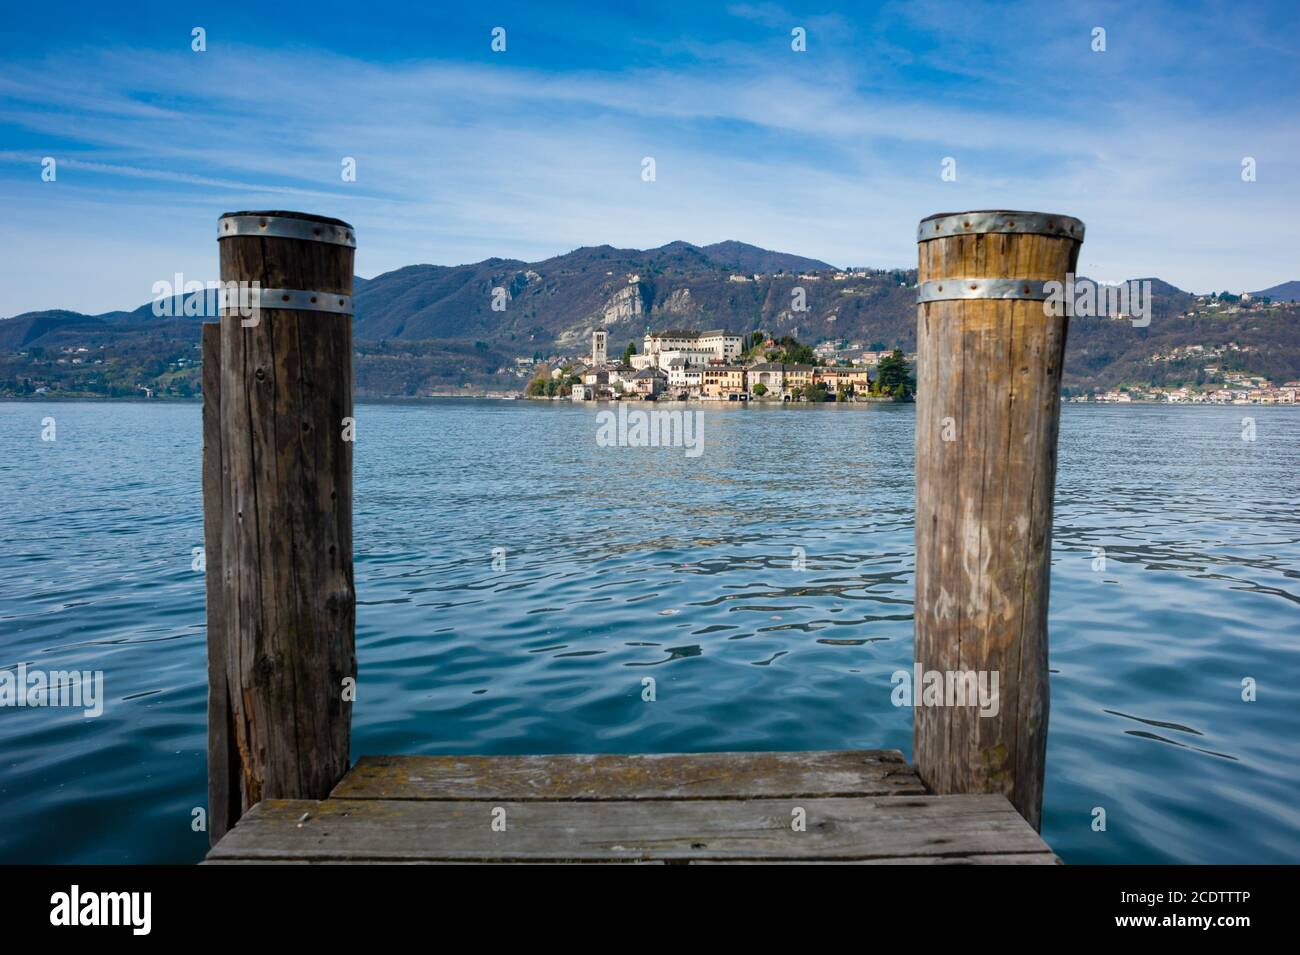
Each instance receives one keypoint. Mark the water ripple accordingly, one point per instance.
(626, 564)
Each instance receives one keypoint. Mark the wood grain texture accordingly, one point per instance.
(984, 510)
(1006, 858)
(637, 777)
(223, 779)
(286, 386)
(894, 828)
(1009, 858)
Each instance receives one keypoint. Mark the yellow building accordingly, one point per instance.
(797, 376)
(723, 381)
(835, 378)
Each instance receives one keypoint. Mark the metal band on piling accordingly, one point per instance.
(283, 227)
(946, 290)
(289, 298)
(1019, 223)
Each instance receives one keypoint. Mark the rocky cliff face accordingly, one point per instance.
(678, 304)
(628, 304)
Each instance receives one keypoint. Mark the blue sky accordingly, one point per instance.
(463, 153)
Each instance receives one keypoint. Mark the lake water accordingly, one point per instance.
(622, 563)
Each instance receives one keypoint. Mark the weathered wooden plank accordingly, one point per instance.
(223, 760)
(672, 830)
(401, 862)
(646, 777)
(1033, 858)
(1008, 858)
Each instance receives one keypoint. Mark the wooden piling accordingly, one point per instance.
(286, 532)
(223, 784)
(988, 408)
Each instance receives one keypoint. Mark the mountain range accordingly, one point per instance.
(430, 328)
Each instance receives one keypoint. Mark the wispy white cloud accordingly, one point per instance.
(830, 156)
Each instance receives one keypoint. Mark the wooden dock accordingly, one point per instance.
(866, 807)
(278, 435)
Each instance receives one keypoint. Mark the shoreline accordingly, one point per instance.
(760, 403)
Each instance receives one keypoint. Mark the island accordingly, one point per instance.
(715, 365)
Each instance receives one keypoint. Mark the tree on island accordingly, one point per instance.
(894, 376)
(552, 387)
(789, 351)
(628, 352)
(537, 386)
(546, 385)
(760, 389)
(751, 345)
(816, 392)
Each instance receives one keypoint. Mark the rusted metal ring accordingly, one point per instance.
(293, 299)
(947, 290)
(979, 223)
(282, 227)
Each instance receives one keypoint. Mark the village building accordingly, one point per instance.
(724, 381)
(768, 374)
(689, 356)
(797, 377)
(650, 383)
(621, 379)
(849, 379)
(698, 347)
(594, 384)
(679, 380)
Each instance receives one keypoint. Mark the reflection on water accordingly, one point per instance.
(765, 585)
